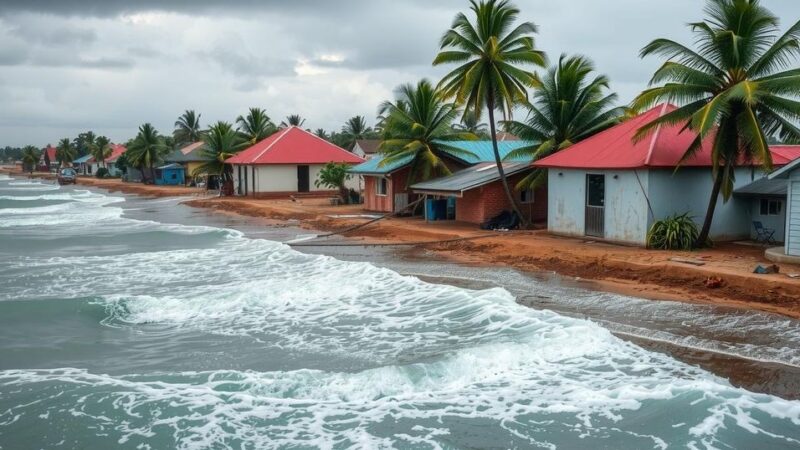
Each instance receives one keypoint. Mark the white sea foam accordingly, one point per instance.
(445, 362)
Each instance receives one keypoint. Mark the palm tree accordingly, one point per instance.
(570, 106)
(220, 143)
(101, 149)
(490, 54)
(354, 129)
(83, 142)
(187, 128)
(146, 150)
(65, 152)
(255, 126)
(293, 120)
(734, 90)
(471, 123)
(30, 157)
(321, 133)
(417, 126)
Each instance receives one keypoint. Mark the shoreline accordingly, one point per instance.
(591, 264)
(743, 370)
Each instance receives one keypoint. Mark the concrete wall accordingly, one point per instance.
(689, 189)
(281, 178)
(627, 215)
(777, 223)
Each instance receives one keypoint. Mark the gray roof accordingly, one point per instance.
(190, 153)
(763, 187)
(470, 178)
(784, 171)
(370, 146)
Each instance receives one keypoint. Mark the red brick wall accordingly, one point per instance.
(480, 204)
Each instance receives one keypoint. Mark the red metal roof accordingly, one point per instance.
(116, 151)
(663, 148)
(294, 145)
(51, 153)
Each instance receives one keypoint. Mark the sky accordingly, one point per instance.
(67, 66)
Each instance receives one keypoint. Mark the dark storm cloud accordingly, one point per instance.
(53, 35)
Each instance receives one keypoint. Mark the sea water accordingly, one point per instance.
(117, 332)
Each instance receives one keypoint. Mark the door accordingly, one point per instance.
(595, 205)
(302, 179)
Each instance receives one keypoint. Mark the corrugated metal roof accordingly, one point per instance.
(171, 166)
(482, 151)
(470, 178)
(194, 155)
(763, 187)
(82, 159)
(294, 145)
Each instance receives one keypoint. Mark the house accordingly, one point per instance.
(479, 195)
(611, 187)
(82, 165)
(386, 187)
(171, 175)
(367, 148)
(47, 160)
(287, 162)
(790, 175)
(110, 163)
(191, 157)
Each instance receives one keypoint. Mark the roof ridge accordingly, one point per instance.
(329, 143)
(655, 136)
(272, 143)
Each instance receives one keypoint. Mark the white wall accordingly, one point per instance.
(282, 178)
(566, 199)
(627, 214)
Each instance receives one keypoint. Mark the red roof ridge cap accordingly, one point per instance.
(330, 143)
(272, 143)
(655, 136)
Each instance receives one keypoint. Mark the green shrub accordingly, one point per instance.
(101, 172)
(678, 232)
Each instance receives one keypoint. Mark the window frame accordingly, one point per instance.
(770, 207)
(382, 182)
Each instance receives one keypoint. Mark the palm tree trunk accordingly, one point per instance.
(702, 238)
(503, 179)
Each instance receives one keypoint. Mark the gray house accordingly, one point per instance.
(790, 175)
(614, 187)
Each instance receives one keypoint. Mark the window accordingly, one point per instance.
(770, 207)
(382, 186)
(527, 196)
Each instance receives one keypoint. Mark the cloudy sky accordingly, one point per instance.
(68, 66)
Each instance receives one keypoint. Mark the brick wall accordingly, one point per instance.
(481, 204)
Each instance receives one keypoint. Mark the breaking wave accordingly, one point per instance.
(426, 365)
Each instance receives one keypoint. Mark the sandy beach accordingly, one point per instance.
(595, 264)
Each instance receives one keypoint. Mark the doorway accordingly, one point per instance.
(595, 205)
(302, 179)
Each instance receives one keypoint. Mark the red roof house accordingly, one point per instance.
(287, 162)
(613, 186)
(47, 160)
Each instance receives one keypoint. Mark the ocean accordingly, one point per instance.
(118, 330)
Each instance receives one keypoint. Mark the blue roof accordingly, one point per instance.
(82, 159)
(482, 150)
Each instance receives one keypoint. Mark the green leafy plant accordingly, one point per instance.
(678, 232)
(101, 173)
(333, 176)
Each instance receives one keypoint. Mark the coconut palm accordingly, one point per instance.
(321, 133)
(100, 149)
(354, 129)
(293, 120)
(187, 128)
(733, 91)
(146, 149)
(65, 152)
(418, 126)
(570, 106)
(83, 142)
(30, 157)
(491, 54)
(220, 143)
(255, 126)
(471, 123)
